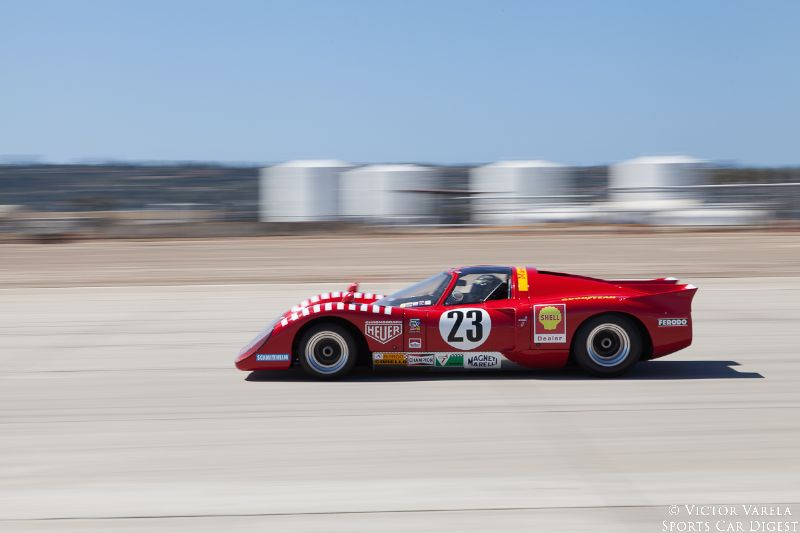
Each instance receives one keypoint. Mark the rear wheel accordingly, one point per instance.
(327, 351)
(607, 345)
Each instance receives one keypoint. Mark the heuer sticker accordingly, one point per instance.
(415, 344)
(550, 323)
(384, 330)
(272, 357)
(672, 322)
(388, 358)
(425, 359)
(449, 359)
(481, 360)
(414, 325)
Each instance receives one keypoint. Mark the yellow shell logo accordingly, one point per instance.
(549, 317)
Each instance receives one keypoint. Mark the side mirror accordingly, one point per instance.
(457, 296)
(349, 296)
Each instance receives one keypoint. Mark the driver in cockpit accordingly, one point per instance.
(483, 287)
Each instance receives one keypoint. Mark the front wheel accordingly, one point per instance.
(327, 351)
(607, 345)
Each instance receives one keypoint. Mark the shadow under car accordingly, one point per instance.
(647, 370)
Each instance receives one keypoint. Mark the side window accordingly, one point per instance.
(475, 288)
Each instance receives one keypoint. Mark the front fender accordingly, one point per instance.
(280, 341)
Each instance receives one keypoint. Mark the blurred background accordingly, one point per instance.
(128, 200)
(174, 174)
(194, 118)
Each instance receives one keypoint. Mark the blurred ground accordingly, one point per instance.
(120, 409)
(396, 257)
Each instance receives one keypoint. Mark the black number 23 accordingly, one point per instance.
(474, 333)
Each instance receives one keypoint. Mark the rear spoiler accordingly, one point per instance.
(656, 281)
(653, 286)
(665, 292)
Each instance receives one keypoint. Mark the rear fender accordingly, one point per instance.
(667, 315)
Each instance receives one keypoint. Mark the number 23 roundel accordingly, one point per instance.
(465, 328)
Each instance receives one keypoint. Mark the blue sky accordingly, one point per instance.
(430, 81)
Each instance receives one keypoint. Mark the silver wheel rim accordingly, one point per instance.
(608, 345)
(327, 352)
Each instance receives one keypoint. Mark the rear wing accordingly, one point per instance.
(645, 285)
(663, 292)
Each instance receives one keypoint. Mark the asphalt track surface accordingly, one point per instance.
(120, 410)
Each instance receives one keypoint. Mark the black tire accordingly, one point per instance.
(607, 345)
(327, 351)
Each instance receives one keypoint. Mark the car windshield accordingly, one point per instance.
(426, 292)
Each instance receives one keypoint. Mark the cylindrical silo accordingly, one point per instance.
(398, 194)
(655, 178)
(503, 190)
(301, 191)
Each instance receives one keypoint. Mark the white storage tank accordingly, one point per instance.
(504, 191)
(393, 194)
(301, 191)
(647, 179)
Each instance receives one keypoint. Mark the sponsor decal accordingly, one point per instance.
(414, 325)
(416, 304)
(550, 323)
(272, 357)
(388, 358)
(449, 359)
(672, 322)
(465, 328)
(384, 330)
(575, 298)
(425, 359)
(522, 279)
(481, 360)
(415, 344)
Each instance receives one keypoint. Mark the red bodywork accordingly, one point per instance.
(661, 307)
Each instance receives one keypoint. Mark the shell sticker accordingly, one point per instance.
(550, 324)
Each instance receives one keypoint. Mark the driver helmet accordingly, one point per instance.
(484, 285)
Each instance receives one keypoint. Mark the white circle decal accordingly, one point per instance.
(465, 328)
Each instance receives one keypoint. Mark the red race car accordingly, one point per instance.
(482, 317)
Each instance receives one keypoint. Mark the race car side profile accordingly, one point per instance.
(481, 317)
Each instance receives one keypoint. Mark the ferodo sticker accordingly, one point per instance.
(383, 330)
(465, 328)
(388, 358)
(672, 322)
(550, 323)
(522, 279)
